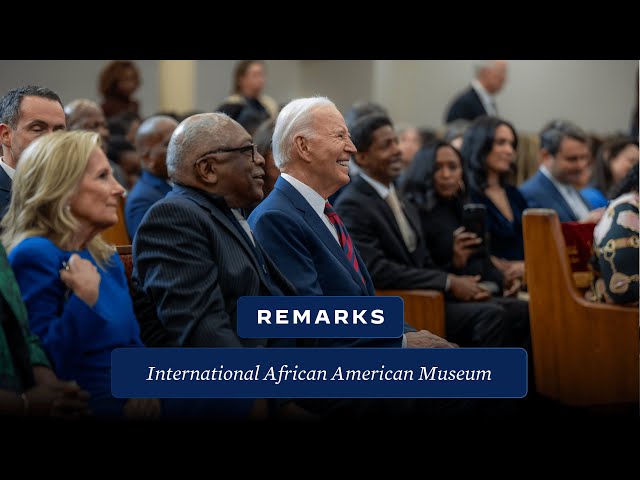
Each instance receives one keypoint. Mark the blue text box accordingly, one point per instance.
(319, 372)
(320, 317)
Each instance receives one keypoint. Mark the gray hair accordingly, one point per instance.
(480, 65)
(555, 131)
(191, 134)
(76, 110)
(10, 103)
(293, 120)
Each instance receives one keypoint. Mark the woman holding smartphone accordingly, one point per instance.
(435, 183)
(489, 149)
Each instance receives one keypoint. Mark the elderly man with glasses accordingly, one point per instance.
(194, 254)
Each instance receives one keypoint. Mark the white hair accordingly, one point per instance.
(294, 119)
(480, 65)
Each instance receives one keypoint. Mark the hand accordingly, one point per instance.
(514, 271)
(463, 246)
(594, 216)
(142, 408)
(513, 288)
(511, 269)
(426, 339)
(71, 405)
(466, 288)
(57, 398)
(82, 277)
(260, 409)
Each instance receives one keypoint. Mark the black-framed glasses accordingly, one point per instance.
(252, 146)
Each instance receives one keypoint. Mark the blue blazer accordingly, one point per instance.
(78, 339)
(539, 192)
(466, 106)
(306, 252)
(5, 192)
(147, 191)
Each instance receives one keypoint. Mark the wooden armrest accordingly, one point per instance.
(582, 279)
(124, 249)
(423, 309)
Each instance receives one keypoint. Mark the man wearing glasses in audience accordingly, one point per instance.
(194, 254)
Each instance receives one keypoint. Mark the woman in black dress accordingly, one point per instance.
(435, 183)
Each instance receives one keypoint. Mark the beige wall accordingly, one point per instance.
(72, 79)
(177, 81)
(343, 81)
(597, 94)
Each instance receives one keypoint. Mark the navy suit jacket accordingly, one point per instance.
(147, 191)
(190, 266)
(5, 192)
(467, 105)
(309, 256)
(539, 192)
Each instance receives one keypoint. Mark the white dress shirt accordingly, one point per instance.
(8, 170)
(488, 101)
(314, 199)
(244, 224)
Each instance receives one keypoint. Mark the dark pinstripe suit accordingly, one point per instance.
(191, 264)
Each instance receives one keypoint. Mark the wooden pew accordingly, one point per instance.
(127, 260)
(117, 234)
(423, 309)
(584, 353)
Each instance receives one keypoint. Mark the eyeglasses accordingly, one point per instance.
(253, 147)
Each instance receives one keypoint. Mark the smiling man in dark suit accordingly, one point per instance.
(388, 234)
(478, 99)
(298, 226)
(194, 255)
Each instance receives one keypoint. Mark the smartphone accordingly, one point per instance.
(473, 219)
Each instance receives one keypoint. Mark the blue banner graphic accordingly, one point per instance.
(320, 317)
(319, 372)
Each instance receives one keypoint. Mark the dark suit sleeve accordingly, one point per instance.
(455, 112)
(279, 232)
(174, 267)
(467, 106)
(385, 272)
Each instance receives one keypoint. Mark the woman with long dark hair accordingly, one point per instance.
(613, 161)
(488, 149)
(436, 184)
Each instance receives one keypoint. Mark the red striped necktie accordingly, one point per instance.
(343, 237)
